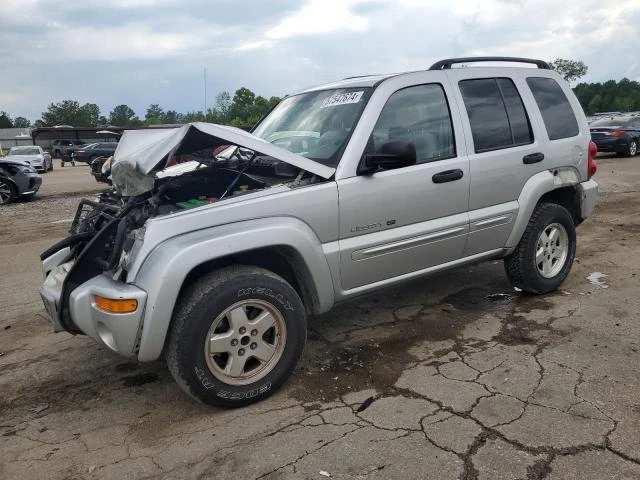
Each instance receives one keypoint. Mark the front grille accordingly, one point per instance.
(92, 216)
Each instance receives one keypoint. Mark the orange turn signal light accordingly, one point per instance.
(121, 305)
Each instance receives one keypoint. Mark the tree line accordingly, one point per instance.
(243, 109)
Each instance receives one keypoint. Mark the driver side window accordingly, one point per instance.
(419, 115)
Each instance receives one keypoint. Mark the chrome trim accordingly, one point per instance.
(406, 243)
(493, 221)
(497, 253)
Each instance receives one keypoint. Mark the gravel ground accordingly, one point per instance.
(439, 378)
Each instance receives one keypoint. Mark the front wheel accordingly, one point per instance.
(7, 192)
(632, 149)
(543, 258)
(236, 336)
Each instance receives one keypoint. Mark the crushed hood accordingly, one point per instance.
(141, 153)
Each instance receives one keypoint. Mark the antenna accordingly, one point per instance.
(205, 94)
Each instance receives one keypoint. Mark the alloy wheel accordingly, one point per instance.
(245, 342)
(552, 249)
(5, 192)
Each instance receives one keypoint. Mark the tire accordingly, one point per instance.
(522, 266)
(632, 149)
(204, 311)
(7, 192)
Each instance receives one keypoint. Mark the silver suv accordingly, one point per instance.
(216, 256)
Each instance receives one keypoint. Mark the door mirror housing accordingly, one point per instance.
(394, 154)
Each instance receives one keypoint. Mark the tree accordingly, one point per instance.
(223, 104)
(70, 112)
(609, 96)
(569, 69)
(154, 114)
(193, 117)
(242, 105)
(123, 116)
(21, 122)
(89, 115)
(171, 117)
(5, 120)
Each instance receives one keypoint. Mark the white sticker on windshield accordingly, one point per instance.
(342, 99)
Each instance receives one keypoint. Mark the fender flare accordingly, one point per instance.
(167, 266)
(533, 190)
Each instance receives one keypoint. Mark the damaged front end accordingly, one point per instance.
(155, 173)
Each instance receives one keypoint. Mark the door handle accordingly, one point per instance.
(448, 176)
(533, 158)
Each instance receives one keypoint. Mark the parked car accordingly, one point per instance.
(63, 148)
(17, 180)
(88, 153)
(32, 155)
(619, 134)
(340, 190)
(101, 169)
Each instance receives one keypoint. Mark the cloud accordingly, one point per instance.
(153, 51)
(319, 16)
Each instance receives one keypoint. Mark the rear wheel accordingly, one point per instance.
(632, 149)
(7, 192)
(236, 336)
(544, 256)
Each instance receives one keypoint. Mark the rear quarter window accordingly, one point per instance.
(557, 114)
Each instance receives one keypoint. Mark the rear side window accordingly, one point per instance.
(497, 116)
(556, 110)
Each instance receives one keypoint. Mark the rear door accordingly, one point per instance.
(400, 221)
(504, 152)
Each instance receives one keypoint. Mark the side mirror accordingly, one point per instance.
(394, 154)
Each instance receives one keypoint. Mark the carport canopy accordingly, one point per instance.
(82, 133)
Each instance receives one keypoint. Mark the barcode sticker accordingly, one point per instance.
(342, 99)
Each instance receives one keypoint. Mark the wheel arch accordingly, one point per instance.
(283, 260)
(558, 186)
(285, 246)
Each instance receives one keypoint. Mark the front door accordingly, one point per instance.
(399, 221)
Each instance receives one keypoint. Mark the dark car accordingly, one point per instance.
(101, 169)
(17, 180)
(617, 134)
(89, 152)
(63, 148)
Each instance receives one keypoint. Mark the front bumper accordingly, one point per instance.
(588, 192)
(35, 181)
(118, 332)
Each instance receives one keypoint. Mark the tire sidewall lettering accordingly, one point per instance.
(267, 292)
(251, 393)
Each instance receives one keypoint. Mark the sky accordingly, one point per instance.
(138, 52)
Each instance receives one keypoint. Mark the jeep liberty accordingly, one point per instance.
(341, 189)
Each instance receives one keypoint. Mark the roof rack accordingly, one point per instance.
(446, 64)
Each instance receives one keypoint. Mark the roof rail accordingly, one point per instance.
(446, 64)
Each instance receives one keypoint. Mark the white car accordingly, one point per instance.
(32, 155)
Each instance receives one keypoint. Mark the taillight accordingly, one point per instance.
(616, 134)
(592, 166)
(78, 151)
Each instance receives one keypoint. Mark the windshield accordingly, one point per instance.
(316, 125)
(24, 151)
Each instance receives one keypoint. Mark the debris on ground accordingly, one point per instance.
(494, 297)
(596, 279)
(41, 407)
(365, 404)
(324, 474)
